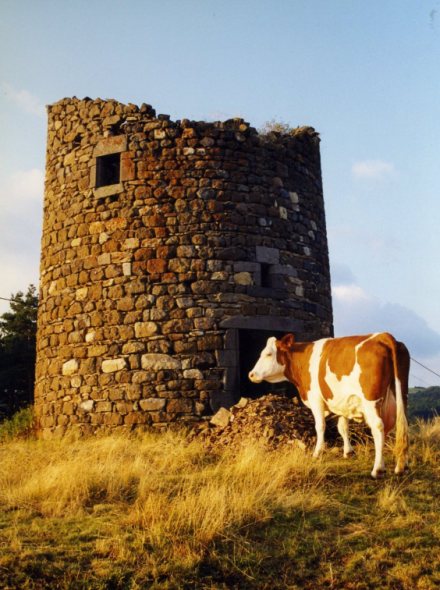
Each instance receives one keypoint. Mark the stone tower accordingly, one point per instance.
(171, 250)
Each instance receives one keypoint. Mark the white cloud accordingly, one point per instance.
(18, 271)
(21, 203)
(21, 194)
(372, 169)
(349, 293)
(383, 244)
(341, 274)
(24, 100)
(27, 184)
(357, 312)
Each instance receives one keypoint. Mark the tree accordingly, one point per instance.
(18, 329)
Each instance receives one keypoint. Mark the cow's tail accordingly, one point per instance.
(401, 360)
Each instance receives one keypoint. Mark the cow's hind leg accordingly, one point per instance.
(376, 425)
(344, 432)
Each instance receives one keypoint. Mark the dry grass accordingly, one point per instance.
(427, 441)
(171, 490)
(157, 511)
(390, 500)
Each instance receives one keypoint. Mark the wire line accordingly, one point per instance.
(425, 367)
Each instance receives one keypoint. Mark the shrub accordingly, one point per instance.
(21, 425)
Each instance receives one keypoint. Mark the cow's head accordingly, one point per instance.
(269, 366)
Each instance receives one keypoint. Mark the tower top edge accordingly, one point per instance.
(146, 110)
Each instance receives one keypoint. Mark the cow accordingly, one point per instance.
(354, 377)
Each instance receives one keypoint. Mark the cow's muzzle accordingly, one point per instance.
(254, 377)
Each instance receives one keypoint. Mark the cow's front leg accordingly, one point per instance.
(317, 408)
(344, 432)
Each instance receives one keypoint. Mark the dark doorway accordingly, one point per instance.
(251, 343)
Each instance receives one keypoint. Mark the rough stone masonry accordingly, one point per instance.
(170, 251)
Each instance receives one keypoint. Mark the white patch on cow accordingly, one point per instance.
(372, 337)
(315, 360)
(348, 397)
(347, 394)
(267, 367)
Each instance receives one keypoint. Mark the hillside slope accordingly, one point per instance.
(162, 512)
(424, 403)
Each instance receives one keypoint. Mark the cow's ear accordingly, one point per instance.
(286, 343)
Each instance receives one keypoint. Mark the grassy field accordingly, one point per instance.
(155, 511)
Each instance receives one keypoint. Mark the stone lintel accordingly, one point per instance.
(110, 145)
(274, 323)
(267, 255)
(106, 191)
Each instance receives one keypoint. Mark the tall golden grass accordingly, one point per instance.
(170, 488)
(157, 504)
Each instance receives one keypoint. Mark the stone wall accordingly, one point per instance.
(162, 242)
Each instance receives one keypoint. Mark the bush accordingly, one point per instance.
(274, 126)
(21, 425)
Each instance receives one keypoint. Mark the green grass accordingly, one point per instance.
(20, 425)
(159, 512)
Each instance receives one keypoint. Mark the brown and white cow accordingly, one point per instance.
(355, 377)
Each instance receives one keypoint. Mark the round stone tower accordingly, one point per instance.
(170, 252)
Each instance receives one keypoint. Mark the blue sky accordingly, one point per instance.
(364, 74)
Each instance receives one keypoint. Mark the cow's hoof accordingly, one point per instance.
(379, 474)
(349, 454)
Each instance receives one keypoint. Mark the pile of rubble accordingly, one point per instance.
(274, 420)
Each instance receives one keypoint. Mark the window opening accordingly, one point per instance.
(265, 275)
(108, 170)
